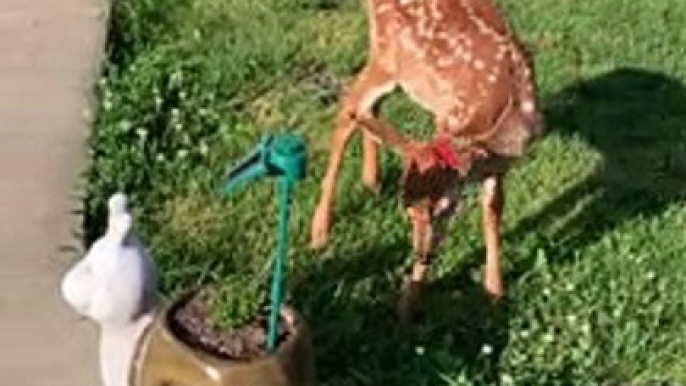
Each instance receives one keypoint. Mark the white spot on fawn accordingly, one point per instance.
(453, 121)
(435, 12)
(383, 8)
(482, 90)
(528, 107)
(467, 56)
(500, 55)
(444, 61)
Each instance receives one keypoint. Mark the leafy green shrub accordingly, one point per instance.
(170, 119)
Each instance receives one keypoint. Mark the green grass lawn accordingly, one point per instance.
(595, 232)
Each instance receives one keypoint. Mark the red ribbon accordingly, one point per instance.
(446, 153)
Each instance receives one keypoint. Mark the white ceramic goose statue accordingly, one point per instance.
(116, 286)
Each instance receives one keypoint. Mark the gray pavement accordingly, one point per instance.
(50, 54)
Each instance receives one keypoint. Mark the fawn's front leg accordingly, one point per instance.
(422, 244)
(492, 204)
(372, 83)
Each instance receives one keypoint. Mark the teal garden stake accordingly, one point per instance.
(283, 156)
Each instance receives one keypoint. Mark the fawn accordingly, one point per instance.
(460, 60)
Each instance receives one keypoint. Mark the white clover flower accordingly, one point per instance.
(549, 337)
(506, 379)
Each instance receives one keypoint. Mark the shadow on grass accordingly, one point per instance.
(637, 121)
(634, 118)
(350, 303)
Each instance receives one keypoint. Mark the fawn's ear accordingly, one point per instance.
(383, 132)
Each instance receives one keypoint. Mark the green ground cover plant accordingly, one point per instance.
(595, 228)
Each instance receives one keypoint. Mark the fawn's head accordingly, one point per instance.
(431, 184)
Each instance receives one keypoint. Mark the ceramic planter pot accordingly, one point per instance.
(164, 359)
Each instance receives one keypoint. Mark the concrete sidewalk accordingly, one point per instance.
(50, 51)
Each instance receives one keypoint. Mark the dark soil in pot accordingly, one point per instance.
(192, 321)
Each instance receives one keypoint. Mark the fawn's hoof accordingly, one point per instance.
(370, 180)
(494, 293)
(372, 185)
(493, 286)
(408, 304)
